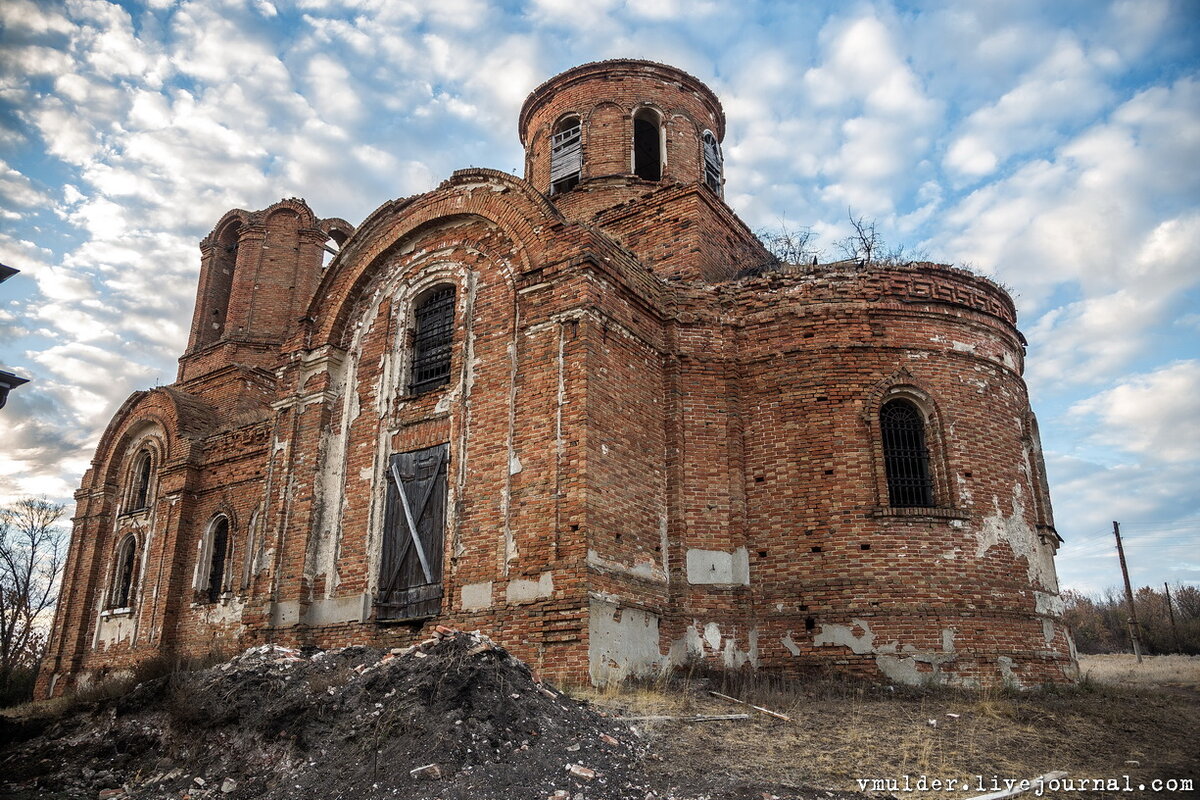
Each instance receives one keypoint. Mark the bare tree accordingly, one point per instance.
(32, 551)
(866, 245)
(790, 245)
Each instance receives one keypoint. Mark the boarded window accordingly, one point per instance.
(410, 568)
(566, 155)
(139, 497)
(218, 545)
(713, 165)
(123, 572)
(647, 146)
(906, 458)
(433, 337)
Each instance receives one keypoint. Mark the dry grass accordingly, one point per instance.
(841, 732)
(1122, 669)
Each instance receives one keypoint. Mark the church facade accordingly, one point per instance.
(573, 410)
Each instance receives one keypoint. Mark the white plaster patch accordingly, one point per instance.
(1021, 537)
(118, 626)
(284, 614)
(717, 567)
(475, 596)
(524, 590)
(790, 644)
(332, 610)
(1007, 674)
(514, 464)
(1049, 604)
(712, 635)
(844, 636)
(623, 643)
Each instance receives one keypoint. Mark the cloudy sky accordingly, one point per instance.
(1054, 146)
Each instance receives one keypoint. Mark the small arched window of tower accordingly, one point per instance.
(124, 569)
(905, 454)
(647, 145)
(214, 554)
(566, 155)
(713, 163)
(433, 337)
(141, 475)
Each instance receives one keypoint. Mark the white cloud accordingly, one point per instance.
(1155, 415)
(1066, 87)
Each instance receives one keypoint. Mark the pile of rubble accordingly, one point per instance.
(453, 717)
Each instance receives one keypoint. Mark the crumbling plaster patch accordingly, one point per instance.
(646, 569)
(1021, 538)
(700, 642)
(899, 663)
(623, 643)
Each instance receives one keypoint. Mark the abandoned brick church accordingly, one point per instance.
(573, 411)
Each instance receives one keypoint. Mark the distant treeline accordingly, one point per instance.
(1101, 624)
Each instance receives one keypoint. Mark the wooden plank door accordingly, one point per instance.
(410, 573)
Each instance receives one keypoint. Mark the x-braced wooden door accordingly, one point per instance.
(410, 574)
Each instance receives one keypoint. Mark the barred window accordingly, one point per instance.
(566, 155)
(123, 571)
(713, 164)
(906, 458)
(432, 340)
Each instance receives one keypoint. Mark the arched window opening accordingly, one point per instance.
(124, 569)
(905, 455)
(143, 468)
(220, 285)
(433, 335)
(566, 155)
(713, 163)
(218, 544)
(647, 145)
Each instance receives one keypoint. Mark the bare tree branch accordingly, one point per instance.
(32, 551)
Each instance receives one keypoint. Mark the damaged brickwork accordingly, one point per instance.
(635, 460)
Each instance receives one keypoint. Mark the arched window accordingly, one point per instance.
(124, 570)
(713, 163)
(214, 553)
(905, 455)
(566, 155)
(140, 475)
(433, 335)
(647, 145)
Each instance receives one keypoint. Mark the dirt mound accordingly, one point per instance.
(456, 717)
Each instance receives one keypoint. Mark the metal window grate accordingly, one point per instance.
(712, 162)
(432, 340)
(905, 455)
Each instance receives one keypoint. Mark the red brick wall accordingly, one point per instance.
(652, 462)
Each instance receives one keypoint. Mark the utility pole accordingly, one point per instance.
(1171, 611)
(1133, 625)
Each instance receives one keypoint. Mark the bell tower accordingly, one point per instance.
(606, 132)
(634, 148)
(258, 273)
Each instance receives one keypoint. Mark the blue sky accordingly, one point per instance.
(1053, 146)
